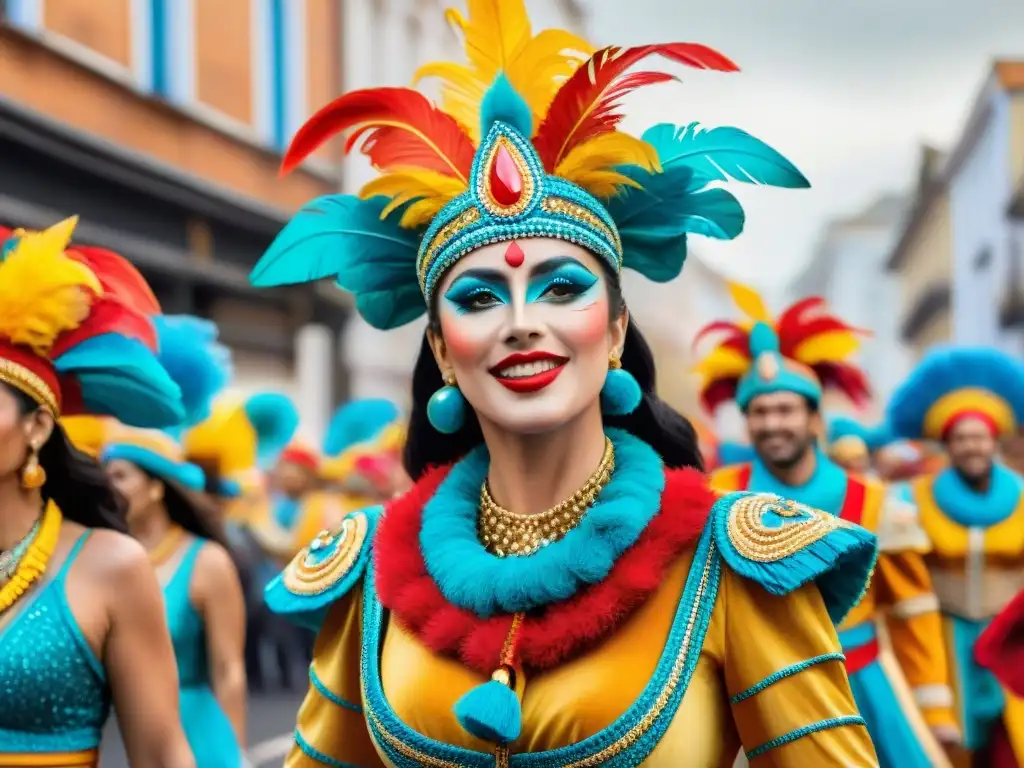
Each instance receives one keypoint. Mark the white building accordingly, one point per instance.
(849, 270)
(385, 42)
(984, 170)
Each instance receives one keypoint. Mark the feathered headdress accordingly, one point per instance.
(76, 330)
(804, 351)
(359, 432)
(951, 384)
(524, 144)
(242, 436)
(201, 367)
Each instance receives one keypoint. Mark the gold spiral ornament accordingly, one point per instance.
(315, 569)
(801, 527)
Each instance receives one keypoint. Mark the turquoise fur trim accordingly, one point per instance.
(782, 674)
(327, 693)
(947, 369)
(826, 489)
(799, 733)
(533, 220)
(966, 507)
(308, 610)
(840, 562)
(681, 654)
(181, 472)
(491, 712)
(315, 754)
(620, 394)
(472, 578)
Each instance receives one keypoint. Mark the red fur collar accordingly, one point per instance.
(551, 635)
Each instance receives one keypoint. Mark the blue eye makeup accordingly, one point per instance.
(469, 293)
(566, 281)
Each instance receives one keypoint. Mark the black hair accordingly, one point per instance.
(654, 421)
(189, 510)
(75, 481)
(211, 476)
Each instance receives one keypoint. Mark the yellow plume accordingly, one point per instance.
(827, 347)
(431, 191)
(43, 293)
(498, 37)
(225, 439)
(749, 302)
(591, 164)
(722, 363)
(87, 433)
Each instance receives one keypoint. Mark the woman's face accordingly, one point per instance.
(526, 330)
(140, 490)
(19, 432)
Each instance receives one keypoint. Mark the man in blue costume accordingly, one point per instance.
(777, 370)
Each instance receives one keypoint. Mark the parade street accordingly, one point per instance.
(271, 720)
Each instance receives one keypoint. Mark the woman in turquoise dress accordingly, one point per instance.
(186, 544)
(81, 620)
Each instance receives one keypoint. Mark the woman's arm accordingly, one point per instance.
(216, 594)
(139, 659)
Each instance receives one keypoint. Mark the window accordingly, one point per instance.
(279, 52)
(25, 14)
(164, 56)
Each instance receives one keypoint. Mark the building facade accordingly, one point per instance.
(982, 175)
(922, 260)
(849, 270)
(161, 123)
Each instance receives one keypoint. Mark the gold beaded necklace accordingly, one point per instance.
(167, 546)
(506, 533)
(33, 563)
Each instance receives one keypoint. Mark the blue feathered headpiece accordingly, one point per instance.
(358, 421)
(730, 453)
(527, 149)
(952, 383)
(201, 367)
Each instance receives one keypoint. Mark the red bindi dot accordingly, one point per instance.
(514, 255)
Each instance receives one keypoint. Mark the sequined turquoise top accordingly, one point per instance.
(54, 695)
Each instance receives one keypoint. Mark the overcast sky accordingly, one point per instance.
(847, 90)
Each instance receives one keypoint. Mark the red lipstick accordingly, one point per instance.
(533, 382)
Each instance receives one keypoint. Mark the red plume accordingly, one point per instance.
(718, 392)
(118, 276)
(792, 319)
(587, 104)
(109, 315)
(848, 379)
(406, 131)
(731, 331)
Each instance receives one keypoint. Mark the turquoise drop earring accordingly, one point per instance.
(620, 394)
(446, 409)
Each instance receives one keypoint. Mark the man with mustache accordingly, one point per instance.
(968, 399)
(776, 371)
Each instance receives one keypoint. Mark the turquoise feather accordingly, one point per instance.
(274, 419)
(503, 104)
(655, 219)
(358, 421)
(721, 154)
(201, 367)
(346, 238)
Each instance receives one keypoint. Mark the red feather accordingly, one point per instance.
(817, 325)
(405, 130)
(108, 315)
(119, 277)
(848, 379)
(719, 325)
(791, 320)
(587, 104)
(718, 392)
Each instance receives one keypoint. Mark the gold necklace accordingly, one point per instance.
(506, 533)
(33, 563)
(167, 546)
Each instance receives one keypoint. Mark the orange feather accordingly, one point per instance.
(404, 131)
(118, 276)
(587, 104)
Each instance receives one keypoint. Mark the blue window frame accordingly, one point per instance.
(165, 38)
(280, 71)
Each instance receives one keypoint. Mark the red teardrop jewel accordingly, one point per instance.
(504, 179)
(514, 255)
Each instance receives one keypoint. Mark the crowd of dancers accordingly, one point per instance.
(539, 563)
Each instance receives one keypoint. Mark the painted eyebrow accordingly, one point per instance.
(549, 266)
(491, 275)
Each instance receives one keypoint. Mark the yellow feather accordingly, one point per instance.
(749, 302)
(497, 37)
(226, 439)
(43, 293)
(722, 363)
(590, 163)
(827, 347)
(432, 189)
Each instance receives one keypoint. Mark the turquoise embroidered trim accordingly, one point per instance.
(782, 546)
(627, 742)
(782, 674)
(799, 733)
(472, 578)
(315, 754)
(328, 694)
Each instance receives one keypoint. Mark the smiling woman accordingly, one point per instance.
(560, 587)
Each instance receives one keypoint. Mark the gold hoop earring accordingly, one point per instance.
(33, 475)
